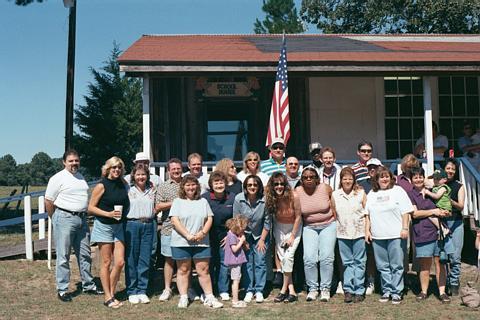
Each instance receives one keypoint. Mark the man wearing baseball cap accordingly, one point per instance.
(314, 149)
(277, 162)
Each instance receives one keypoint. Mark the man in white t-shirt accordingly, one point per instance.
(66, 201)
(195, 168)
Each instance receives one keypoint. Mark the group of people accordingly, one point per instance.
(228, 223)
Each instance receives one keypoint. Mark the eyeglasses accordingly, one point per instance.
(292, 164)
(278, 147)
(249, 185)
(251, 160)
(366, 150)
(277, 184)
(310, 177)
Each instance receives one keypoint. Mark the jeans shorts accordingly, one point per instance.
(165, 248)
(431, 249)
(187, 253)
(107, 233)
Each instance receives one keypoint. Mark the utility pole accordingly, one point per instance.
(72, 5)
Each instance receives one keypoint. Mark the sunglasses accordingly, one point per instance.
(277, 184)
(249, 185)
(251, 160)
(312, 177)
(366, 150)
(278, 147)
(117, 167)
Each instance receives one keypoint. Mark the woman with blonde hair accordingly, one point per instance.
(109, 204)
(227, 167)
(251, 166)
(284, 205)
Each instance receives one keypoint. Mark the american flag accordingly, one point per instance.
(279, 125)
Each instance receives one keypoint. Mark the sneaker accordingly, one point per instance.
(212, 302)
(358, 298)
(224, 296)
(339, 288)
(312, 295)
(444, 298)
(348, 298)
(259, 297)
(421, 296)
(248, 297)
(370, 286)
(64, 297)
(325, 295)
(396, 299)
(385, 297)
(202, 298)
(183, 302)
(143, 298)
(192, 295)
(166, 295)
(133, 299)
(239, 304)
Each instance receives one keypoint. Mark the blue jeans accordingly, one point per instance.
(254, 272)
(218, 271)
(138, 250)
(319, 246)
(72, 231)
(354, 258)
(389, 260)
(456, 236)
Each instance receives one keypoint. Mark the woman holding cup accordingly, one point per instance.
(108, 203)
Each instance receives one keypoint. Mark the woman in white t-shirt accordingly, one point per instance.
(387, 221)
(192, 219)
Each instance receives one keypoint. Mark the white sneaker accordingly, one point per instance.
(339, 288)
(312, 295)
(143, 298)
(212, 302)
(192, 295)
(259, 297)
(248, 297)
(133, 299)
(166, 295)
(370, 287)
(183, 302)
(325, 295)
(224, 296)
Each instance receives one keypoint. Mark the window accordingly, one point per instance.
(227, 139)
(458, 102)
(403, 114)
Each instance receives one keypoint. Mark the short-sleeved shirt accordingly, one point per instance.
(350, 214)
(222, 211)
(192, 214)
(423, 229)
(440, 141)
(142, 203)
(68, 191)
(361, 171)
(167, 191)
(233, 258)
(257, 215)
(270, 166)
(444, 201)
(386, 208)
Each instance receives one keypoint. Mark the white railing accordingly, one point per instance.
(470, 178)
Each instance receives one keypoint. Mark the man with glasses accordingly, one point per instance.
(364, 152)
(66, 202)
(277, 162)
(293, 177)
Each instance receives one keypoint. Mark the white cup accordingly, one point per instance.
(120, 209)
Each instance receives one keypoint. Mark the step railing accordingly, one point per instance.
(470, 178)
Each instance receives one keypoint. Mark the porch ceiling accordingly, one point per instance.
(309, 54)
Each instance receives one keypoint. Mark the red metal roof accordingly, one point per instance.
(303, 49)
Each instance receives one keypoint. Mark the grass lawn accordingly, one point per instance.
(28, 292)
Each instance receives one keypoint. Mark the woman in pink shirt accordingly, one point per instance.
(319, 233)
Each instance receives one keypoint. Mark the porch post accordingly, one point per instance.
(146, 116)
(428, 131)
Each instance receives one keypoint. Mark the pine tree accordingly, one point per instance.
(281, 16)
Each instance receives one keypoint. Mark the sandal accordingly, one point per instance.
(112, 303)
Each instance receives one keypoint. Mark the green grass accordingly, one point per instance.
(28, 291)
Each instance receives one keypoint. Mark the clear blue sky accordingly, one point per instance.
(33, 55)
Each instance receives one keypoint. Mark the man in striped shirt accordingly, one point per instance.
(277, 161)
(364, 152)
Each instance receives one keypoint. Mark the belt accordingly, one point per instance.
(73, 213)
(142, 220)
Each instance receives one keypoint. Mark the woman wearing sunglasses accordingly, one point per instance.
(319, 233)
(251, 204)
(251, 166)
(227, 167)
(284, 205)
